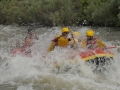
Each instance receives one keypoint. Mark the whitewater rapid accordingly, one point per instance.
(39, 71)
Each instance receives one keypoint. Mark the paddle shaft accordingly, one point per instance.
(73, 38)
(113, 47)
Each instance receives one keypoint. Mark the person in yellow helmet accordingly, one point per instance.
(92, 42)
(61, 40)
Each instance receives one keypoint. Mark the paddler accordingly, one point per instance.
(29, 41)
(27, 44)
(25, 49)
(61, 40)
(32, 34)
(92, 42)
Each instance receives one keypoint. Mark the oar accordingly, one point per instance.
(110, 47)
(76, 34)
(72, 35)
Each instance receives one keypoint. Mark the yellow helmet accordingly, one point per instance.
(65, 30)
(90, 33)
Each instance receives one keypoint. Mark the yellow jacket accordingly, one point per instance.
(58, 41)
(98, 42)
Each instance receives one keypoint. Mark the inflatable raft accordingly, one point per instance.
(97, 56)
(20, 51)
(17, 51)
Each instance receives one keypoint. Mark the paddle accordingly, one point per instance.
(76, 34)
(110, 47)
(73, 37)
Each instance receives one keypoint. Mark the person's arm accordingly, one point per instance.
(27, 42)
(101, 44)
(36, 37)
(55, 39)
(52, 44)
(51, 47)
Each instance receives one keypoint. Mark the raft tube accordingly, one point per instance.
(97, 56)
(20, 51)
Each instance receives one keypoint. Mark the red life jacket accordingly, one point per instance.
(92, 44)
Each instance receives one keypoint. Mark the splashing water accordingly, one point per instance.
(40, 72)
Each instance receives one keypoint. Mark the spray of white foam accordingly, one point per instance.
(40, 71)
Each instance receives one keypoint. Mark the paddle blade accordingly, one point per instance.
(76, 33)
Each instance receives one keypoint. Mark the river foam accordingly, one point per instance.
(40, 72)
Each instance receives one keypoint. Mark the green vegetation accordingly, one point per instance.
(60, 12)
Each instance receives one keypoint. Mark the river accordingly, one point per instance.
(39, 73)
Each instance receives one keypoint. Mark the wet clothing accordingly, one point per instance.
(59, 41)
(94, 43)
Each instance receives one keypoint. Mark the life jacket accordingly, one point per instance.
(61, 41)
(92, 44)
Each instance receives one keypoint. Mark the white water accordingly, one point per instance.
(38, 73)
